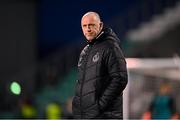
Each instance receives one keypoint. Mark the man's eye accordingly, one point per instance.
(91, 25)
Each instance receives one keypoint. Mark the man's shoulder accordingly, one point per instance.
(104, 45)
(111, 42)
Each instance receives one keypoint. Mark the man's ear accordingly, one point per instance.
(101, 25)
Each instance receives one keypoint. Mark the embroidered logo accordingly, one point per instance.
(96, 57)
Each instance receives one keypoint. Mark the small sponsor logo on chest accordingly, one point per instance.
(95, 57)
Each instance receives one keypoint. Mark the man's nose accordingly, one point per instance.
(88, 29)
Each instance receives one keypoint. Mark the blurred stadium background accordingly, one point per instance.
(41, 40)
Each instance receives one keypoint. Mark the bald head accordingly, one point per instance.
(93, 15)
(91, 25)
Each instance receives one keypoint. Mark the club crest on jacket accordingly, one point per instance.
(96, 57)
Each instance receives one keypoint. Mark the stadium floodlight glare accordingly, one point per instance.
(15, 88)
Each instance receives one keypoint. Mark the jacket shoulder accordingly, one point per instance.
(112, 46)
(111, 42)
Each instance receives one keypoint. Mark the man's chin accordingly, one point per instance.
(89, 39)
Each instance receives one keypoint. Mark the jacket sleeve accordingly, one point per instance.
(116, 66)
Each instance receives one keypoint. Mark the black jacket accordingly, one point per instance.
(102, 77)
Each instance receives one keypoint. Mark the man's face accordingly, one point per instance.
(91, 26)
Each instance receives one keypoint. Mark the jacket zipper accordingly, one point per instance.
(83, 79)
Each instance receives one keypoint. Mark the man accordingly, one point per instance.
(102, 73)
(163, 105)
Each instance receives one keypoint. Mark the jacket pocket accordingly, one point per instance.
(93, 111)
